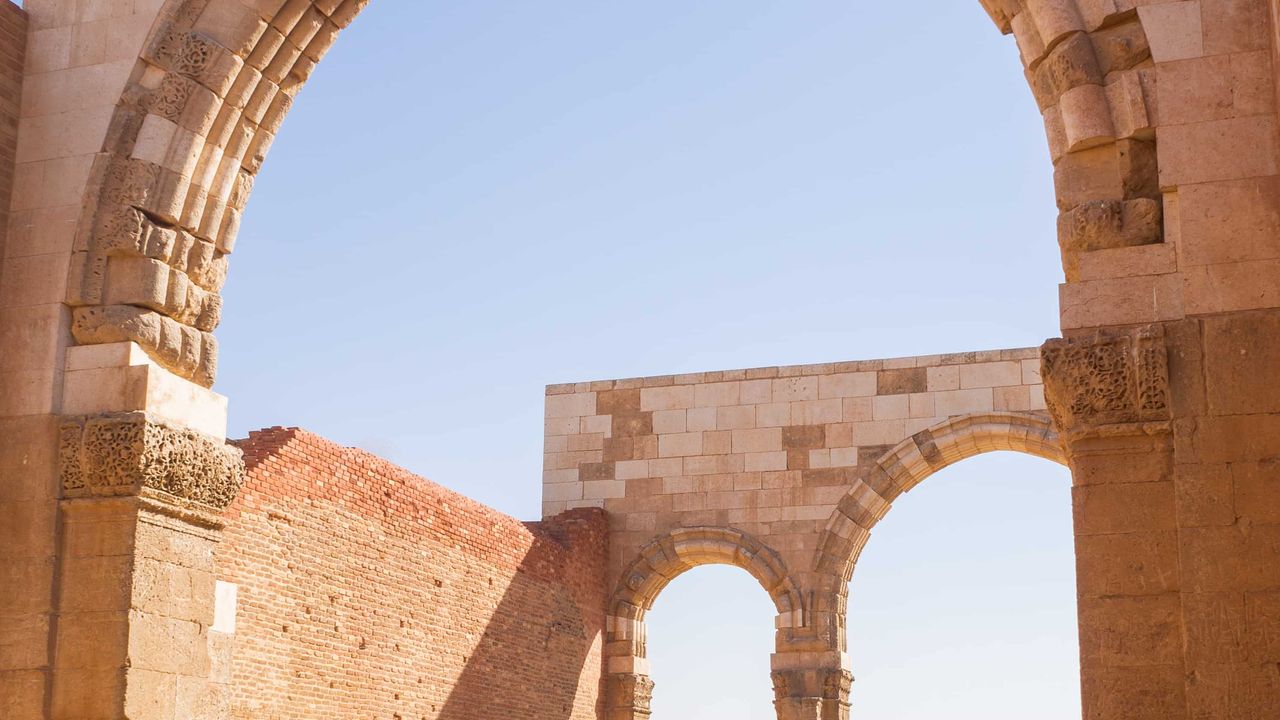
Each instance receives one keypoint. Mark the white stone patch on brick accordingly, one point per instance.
(224, 607)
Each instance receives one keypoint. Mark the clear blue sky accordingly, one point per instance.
(473, 200)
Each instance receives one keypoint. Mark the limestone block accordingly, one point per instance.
(773, 415)
(1123, 301)
(842, 385)
(735, 417)
(1124, 508)
(891, 407)
(701, 420)
(895, 382)
(1055, 19)
(795, 388)
(757, 440)
(1173, 29)
(1231, 286)
(1205, 496)
(1230, 221)
(816, 412)
(961, 402)
(716, 394)
(1012, 399)
(577, 404)
(857, 410)
(946, 377)
(680, 444)
(1233, 26)
(1031, 46)
(1224, 559)
(1127, 100)
(669, 421)
(1130, 631)
(667, 398)
(1127, 564)
(1120, 46)
(1071, 64)
(765, 461)
(991, 374)
(755, 392)
(1109, 224)
(1158, 259)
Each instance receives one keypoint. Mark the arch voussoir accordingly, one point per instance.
(908, 463)
(212, 85)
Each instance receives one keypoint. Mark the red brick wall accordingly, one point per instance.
(368, 592)
(13, 45)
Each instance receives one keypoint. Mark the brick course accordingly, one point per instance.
(368, 592)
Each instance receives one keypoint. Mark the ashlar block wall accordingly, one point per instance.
(779, 470)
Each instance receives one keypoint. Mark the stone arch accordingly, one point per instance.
(216, 78)
(667, 557)
(628, 688)
(909, 462)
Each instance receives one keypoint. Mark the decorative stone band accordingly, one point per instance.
(629, 696)
(133, 454)
(825, 683)
(1106, 378)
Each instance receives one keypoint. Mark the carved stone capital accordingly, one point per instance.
(1106, 379)
(127, 453)
(630, 695)
(825, 684)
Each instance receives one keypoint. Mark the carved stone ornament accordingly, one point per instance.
(631, 691)
(827, 684)
(121, 454)
(1110, 377)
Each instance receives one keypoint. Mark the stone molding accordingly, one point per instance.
(132, 454)
(1098, 381)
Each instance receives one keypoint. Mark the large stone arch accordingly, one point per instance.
(216, 78)
(628, 687)
(911, 461)
(902, 468)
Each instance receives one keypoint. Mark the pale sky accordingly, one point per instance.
(473, 200)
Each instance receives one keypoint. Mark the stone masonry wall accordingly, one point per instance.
(367, 592)
(13, 46)
(760, 449)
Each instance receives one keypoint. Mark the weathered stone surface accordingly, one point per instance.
(1106, 378)
(122, 454)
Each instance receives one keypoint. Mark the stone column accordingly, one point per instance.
(135, 597)
(811, 685)
(1108, 392)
